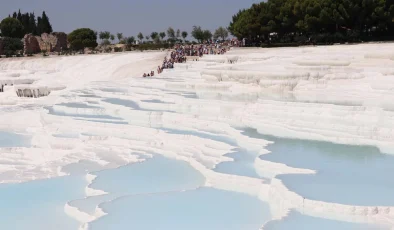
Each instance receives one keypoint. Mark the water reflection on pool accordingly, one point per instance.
(205, 208)
(159, 174)
(39, 205)
(296, 220)
(243, 160)
(241, 166)
(9, 139)
(353, 175)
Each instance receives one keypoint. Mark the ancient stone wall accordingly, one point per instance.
(31, 44)
(59, 41)
(54, 42)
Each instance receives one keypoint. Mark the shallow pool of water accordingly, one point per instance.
(122, 102)
(155, 175)
(8, 140)
(61, 113)
(157, 101)
(243, 164)
(39, 205)
(205, 208)
(113, 90)
(353, 175)
(243, 160)
(78, 105)
(66, 135)
(296, 220)
(89, 205)
(131, 104)
(105, 121)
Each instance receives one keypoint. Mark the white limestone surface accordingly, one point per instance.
(101, 114)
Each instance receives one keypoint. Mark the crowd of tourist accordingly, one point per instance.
(177, 56)
(181, 51)
(151, 74)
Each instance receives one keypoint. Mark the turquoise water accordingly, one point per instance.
(296, 220)
(190, 95)
(243, 164)
(8, 140)
(89, 96)
(157, 101)
(155, 175)
(353, 175)
(205, 208)
(82, 167)
(78, 105)
(39, 205)
(89, 204)
(60, 113)
(66, 135)
(105, 121)
(113, 90)
(122, 102)
(130, 104)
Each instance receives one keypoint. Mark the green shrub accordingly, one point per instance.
(117, 49)
(353, 36)
(108, 50)
(11, 27)
(81, 38)
(11, 46)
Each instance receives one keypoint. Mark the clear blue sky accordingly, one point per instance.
(132, 16)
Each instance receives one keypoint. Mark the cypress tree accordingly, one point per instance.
(32, 24)
(46, 26)
(19, 17)
(25, 22)
(39, 26)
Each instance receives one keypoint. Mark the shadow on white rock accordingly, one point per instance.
(31, 91)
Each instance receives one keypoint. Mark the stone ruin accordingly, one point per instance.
(30, 44)
(53, 42)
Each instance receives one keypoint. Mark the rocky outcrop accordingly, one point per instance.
(1, 47)
(31, 45)
(53, 42)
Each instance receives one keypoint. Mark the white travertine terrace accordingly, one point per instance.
(341, 94)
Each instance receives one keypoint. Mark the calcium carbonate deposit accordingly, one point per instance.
(287, 138)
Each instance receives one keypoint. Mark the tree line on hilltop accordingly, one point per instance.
(85, 37)
(321, 21)
(16, 26)
(20, 24)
